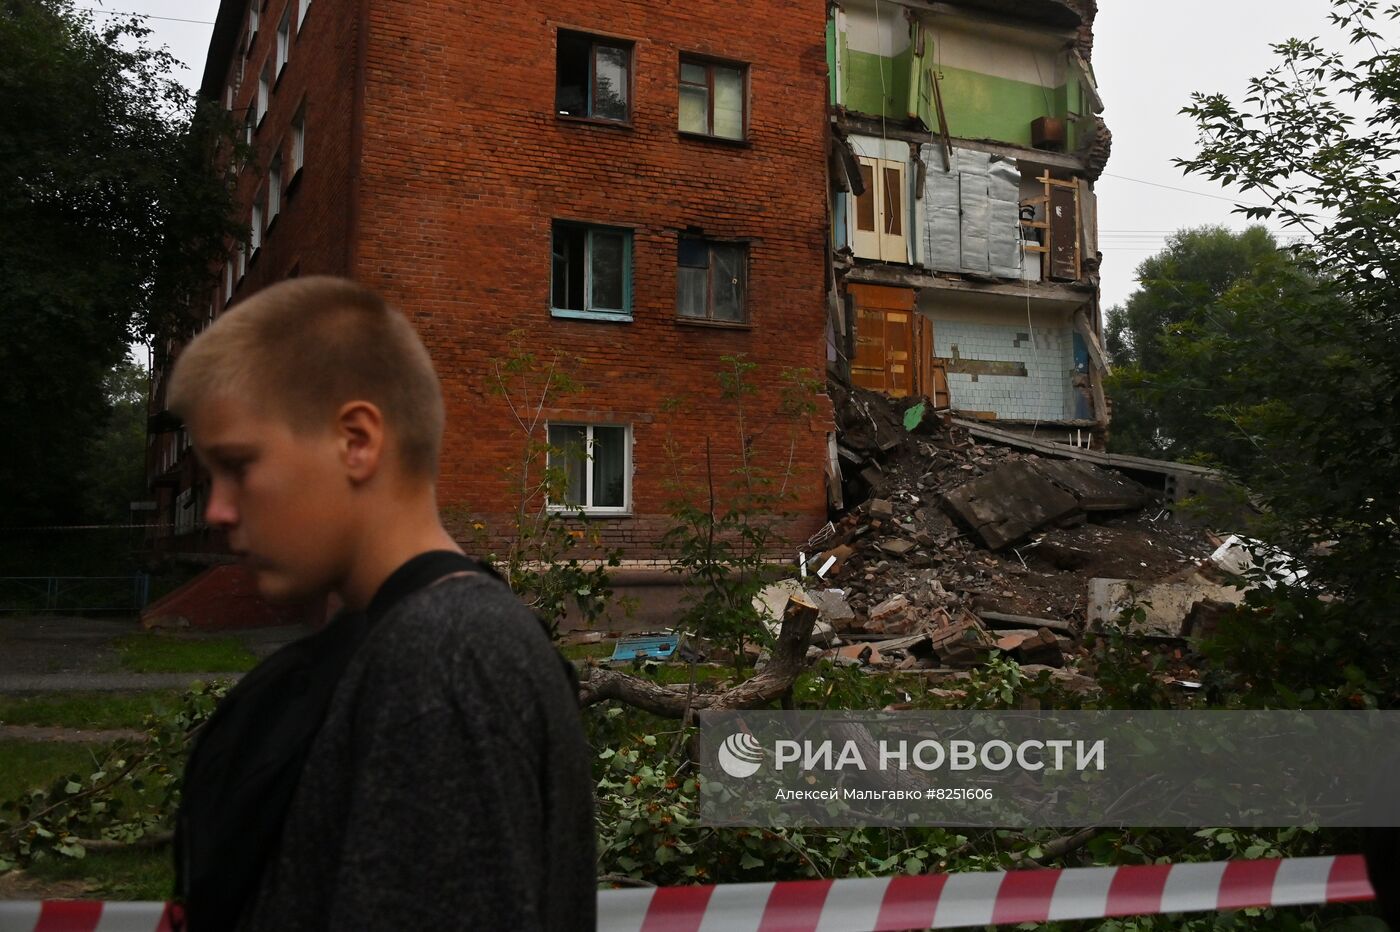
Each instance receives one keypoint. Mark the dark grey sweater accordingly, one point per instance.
(450, 784)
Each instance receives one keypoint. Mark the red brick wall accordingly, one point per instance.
(465, 164)
(310, 232)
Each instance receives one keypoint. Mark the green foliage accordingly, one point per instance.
(542, 563)
(1196, 293)
(1299, 361)
(110, 218)
(125, 793)
(725, 525)
(118, 477)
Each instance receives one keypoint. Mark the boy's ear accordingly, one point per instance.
(360, 434)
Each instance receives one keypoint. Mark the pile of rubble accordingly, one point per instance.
(957, 548)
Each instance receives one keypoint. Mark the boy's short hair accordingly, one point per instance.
(302, 348)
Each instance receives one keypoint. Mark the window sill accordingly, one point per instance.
(277, 81)
(573, 512)
(744, 143)
(713, 324)
(267, 230)
(594, 121)
(590, 315)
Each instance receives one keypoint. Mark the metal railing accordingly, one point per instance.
(40, 594)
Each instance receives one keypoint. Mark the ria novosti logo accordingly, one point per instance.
(740, 755)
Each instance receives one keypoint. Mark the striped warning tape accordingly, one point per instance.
(931, 901)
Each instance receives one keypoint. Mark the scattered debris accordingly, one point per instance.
(645, 647)
(947, 540)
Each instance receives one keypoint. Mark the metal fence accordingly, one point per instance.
(37, 594)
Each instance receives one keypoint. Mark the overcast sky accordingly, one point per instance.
(1148, 58)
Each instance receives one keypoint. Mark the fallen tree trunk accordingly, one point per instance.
(598, 684)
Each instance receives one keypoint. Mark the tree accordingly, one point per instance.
(111, 217)
(1308, 371)
(119, 447)
(1192, 282)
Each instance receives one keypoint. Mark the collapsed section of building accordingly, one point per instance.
(965, 142)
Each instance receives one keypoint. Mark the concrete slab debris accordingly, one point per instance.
(1165, 606)
(1007, 505)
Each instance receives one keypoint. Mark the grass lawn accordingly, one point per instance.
(127, 874)
(25, 765)
(584, 651)
(153, 652)
(86, 710)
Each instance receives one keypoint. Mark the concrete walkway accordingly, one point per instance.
(104, 682)
(53, 653)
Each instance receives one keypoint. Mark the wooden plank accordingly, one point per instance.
(1064, 235)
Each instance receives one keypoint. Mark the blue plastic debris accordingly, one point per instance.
(645, 647)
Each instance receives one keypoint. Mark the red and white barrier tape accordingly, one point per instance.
(930, 901)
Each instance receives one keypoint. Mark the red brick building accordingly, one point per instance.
(640, 186)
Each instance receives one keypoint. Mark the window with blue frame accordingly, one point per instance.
(591, 275)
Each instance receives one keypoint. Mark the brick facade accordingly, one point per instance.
(435, 165)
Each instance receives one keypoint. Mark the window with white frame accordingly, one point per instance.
(228, 97)
(591, 275)
(594, 464)
(298, 140)
(711, 280)
(256, 230)
(712, 99)
(228, 280)
(284, 39)
(264, 90)
(252, 20)
(248, 128)
(301, 12)
(274, 188)
(242, 260)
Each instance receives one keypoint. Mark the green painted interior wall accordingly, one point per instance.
(983, 107)
(861, 89)
(978, 106)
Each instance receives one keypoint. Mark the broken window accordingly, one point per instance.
(712, 99)
(710, 280)
(593, 467)
(879, 215)
(592, 77)
(592, 268)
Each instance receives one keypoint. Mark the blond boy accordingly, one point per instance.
(419, 762)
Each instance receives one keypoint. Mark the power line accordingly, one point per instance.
(171, 19)
(1156, 184)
